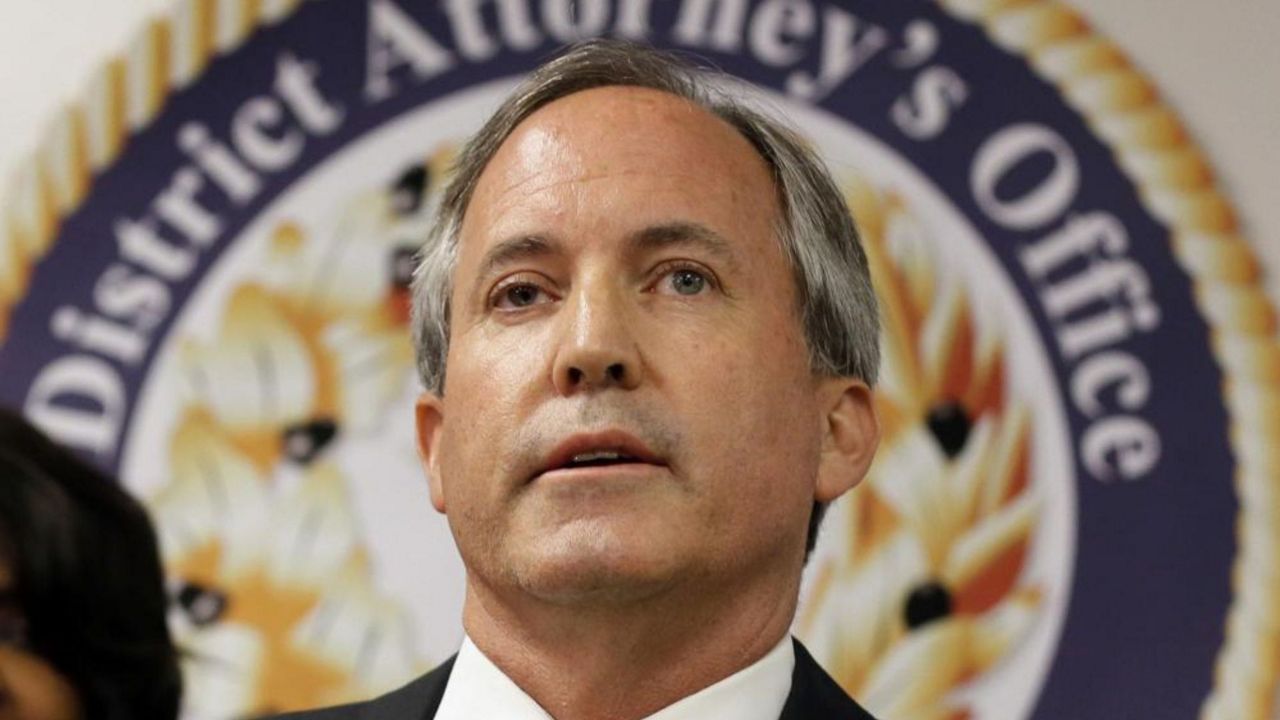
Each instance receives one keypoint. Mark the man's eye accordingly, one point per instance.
(519, 295)
(685, 281)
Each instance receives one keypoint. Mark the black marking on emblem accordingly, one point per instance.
(950, 426)
(410, 189)
(304, 442)
(203, 605)
(929, 601)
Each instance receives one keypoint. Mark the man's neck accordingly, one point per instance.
(625, 661)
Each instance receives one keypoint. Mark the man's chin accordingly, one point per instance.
(595, 568)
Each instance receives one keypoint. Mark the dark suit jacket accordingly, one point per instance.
(814, 696)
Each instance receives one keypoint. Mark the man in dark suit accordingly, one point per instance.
(660, 337)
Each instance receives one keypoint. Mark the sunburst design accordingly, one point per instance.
(278, 607)
(929, 591)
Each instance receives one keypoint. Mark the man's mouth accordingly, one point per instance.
(598, 458)
(599, 450)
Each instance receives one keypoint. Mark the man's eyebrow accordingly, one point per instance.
(520, 247)
(654, 237)
(684, 234)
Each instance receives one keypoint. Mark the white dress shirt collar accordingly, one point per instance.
(478, 689)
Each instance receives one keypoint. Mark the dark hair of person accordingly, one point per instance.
(87, 576)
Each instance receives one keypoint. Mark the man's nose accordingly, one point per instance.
(598, 349)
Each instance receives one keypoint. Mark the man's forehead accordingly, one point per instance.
(603, 129)
(611, 109)
(618, 162)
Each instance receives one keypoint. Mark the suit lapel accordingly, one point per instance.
(418, 700)
(815, 696)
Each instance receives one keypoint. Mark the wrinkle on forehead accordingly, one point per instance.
(527, 186)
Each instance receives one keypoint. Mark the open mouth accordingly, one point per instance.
(599, 458)
(599, 450)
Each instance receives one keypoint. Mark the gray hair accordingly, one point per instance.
(837, 304)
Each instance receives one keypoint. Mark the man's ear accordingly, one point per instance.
(429, 413)
(852, 433)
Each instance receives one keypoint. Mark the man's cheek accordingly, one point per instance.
(513, 360)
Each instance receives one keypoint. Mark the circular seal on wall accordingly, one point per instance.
(204, 287)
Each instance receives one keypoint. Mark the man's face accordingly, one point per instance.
(628, 402)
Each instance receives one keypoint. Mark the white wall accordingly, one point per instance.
(48, 49)
(1217, 62)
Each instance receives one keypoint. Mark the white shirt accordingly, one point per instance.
(478, 689)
